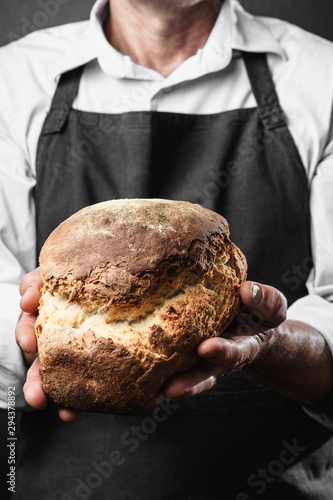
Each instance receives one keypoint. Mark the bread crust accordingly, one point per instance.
(131, 287)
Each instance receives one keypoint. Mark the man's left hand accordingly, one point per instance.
(264, 309)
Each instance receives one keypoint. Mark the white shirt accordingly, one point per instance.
(214, 80)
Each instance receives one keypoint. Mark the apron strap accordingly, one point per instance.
(62, 102)
(269, 108)
(270, 111)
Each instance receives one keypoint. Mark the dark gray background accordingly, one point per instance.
(19, 17)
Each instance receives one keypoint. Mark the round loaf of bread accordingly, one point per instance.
(131, 287)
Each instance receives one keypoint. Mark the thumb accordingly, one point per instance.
(265, 302)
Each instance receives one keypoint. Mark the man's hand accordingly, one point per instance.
(264, 309)
(26, 339)
(290, 357)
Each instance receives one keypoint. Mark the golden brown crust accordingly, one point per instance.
(131, 287)
(117, 250)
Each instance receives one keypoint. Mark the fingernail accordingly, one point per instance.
(27, 291)
(22, 347)
(256, 294)
(209, 354)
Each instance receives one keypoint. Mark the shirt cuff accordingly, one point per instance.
(318, 313)
(12, 366)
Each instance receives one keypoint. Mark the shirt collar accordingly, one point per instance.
(250, 34)
(234, 30)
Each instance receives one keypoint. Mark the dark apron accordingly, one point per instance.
(238, 441)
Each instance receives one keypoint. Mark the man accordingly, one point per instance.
(175, 99)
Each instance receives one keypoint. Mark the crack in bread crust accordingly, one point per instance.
(131, 287)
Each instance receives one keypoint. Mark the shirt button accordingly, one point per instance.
(167, 90)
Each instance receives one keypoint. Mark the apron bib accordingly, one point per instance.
(240, 440)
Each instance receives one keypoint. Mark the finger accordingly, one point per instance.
(25, 333)
(198, 379)
(265, 302)
(230, 354)
(33, 391)
(35, 396)
(30, 291)
(69, 416)
(160, 399)
(29, 358)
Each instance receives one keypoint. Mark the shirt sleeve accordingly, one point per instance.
(17, 251)
(316, 309)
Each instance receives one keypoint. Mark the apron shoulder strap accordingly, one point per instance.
(62, 102)
(270, 111)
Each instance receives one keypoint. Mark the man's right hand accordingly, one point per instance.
(26, 339)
